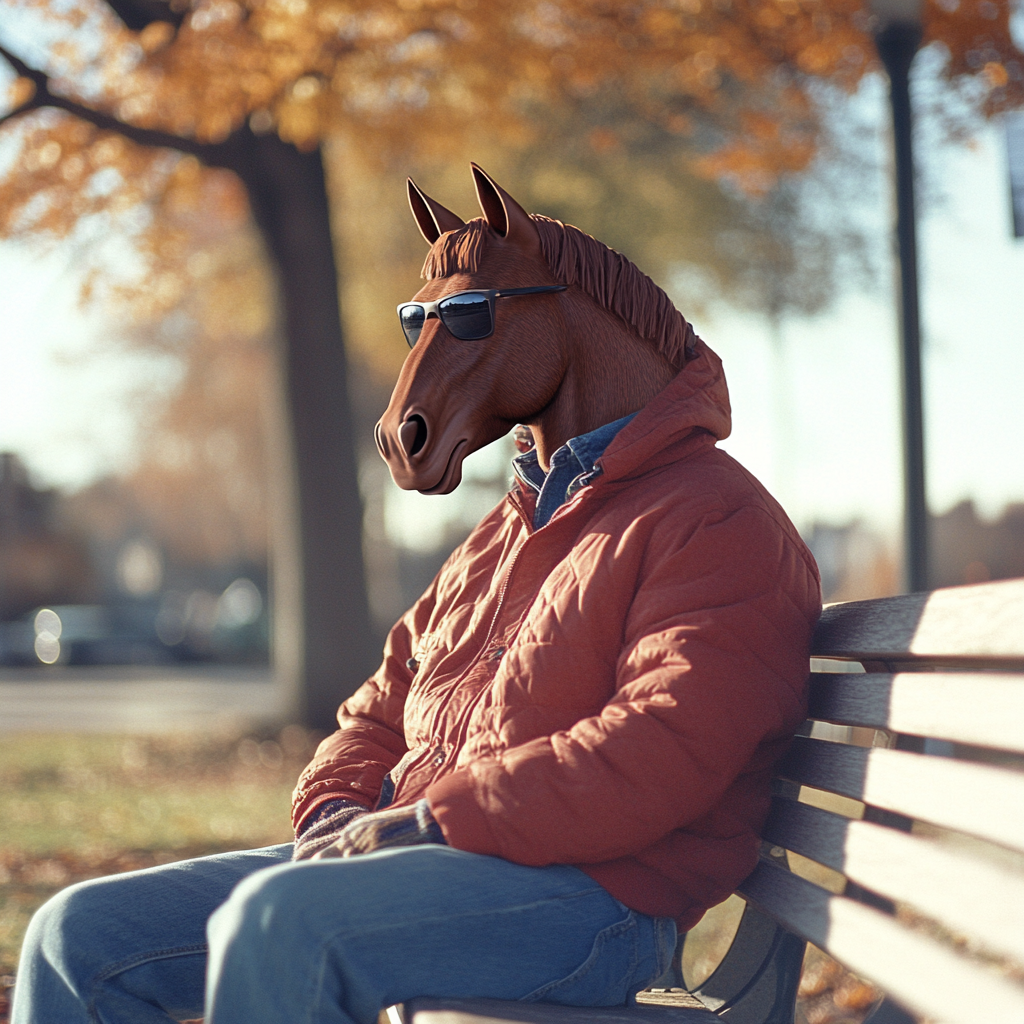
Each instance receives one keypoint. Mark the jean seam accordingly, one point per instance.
(136, 961)
(634, 963)
(665, 929)
(600, 940)
(346, 932)
(318, 986)
(159, 954)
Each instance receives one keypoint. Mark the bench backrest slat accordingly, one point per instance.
(982, 623)
(924, 976)
(985, 901)
(981, 709)
(945, 675)
(972, 798)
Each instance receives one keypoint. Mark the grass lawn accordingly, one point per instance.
(81, 806)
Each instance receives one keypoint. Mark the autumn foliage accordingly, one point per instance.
(406, 75)
(734, 80)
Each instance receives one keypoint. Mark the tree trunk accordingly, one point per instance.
(289, 201)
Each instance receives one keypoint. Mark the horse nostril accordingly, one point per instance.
(413, 434)
(378, 436)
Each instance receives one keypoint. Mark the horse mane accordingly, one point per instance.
(577, 258)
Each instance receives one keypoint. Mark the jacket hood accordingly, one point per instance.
(696, 399)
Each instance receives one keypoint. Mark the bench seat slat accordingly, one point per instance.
(982, 709)
(973, 798)
(495, 1011)
(918, 972)
(974, 897)
(983, 622)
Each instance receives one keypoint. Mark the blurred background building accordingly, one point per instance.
(89, 579)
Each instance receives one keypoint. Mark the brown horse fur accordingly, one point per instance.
(562, 363)
(578, 258)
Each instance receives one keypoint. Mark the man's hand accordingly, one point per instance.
(324, 826)
(383, 830)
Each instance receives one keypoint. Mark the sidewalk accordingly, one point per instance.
(139, 699)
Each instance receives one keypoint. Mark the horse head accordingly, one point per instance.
(528, 343)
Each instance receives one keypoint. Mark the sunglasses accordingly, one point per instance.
(468, 316)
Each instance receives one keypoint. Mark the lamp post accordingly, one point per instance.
(897, 36)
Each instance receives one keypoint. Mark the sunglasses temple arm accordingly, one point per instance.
(538, 290)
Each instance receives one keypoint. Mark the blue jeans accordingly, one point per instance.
(330, 941)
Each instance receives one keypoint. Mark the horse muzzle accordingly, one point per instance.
(418, 460)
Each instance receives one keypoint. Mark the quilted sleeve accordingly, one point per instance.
(351, 763)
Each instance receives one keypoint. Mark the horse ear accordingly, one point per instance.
(433, 219)
(504, 215)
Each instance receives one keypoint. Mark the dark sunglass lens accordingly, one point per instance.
(412, 322)
(467, 316)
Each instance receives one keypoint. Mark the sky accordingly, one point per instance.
(828, 444)
(68, 397)
(817, 418)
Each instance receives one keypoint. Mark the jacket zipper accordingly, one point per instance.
(564, 509)
(503, 590)
(531, 532)
(482, 650)
(501, 600)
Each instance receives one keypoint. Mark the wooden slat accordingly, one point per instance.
(983, 709)
(983, 622)
(918, 972)
(974, 897)
(973, 798)
(495, 1011)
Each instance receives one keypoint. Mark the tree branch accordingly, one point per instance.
(208, 152)
(25, 108)
(21, 67)
(137, 14)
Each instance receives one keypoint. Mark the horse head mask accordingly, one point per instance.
(522, 320)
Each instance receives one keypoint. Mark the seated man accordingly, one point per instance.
(566, 753)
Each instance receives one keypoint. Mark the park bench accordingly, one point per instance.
(905, 791)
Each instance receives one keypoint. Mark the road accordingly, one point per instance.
(139, 699)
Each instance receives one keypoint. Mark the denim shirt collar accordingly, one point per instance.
(572, 467)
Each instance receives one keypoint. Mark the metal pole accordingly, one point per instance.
(897, 43)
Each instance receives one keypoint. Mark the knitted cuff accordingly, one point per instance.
(324, 826)
(397, 826)
(430, 831)
(406, 826)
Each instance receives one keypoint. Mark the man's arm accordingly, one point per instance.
(350, 764)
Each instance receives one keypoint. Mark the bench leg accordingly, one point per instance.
(757, 981)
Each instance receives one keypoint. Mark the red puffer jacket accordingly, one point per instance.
(609, 691)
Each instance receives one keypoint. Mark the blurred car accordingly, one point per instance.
(81, 635)
(16, 643)
(230, 626)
